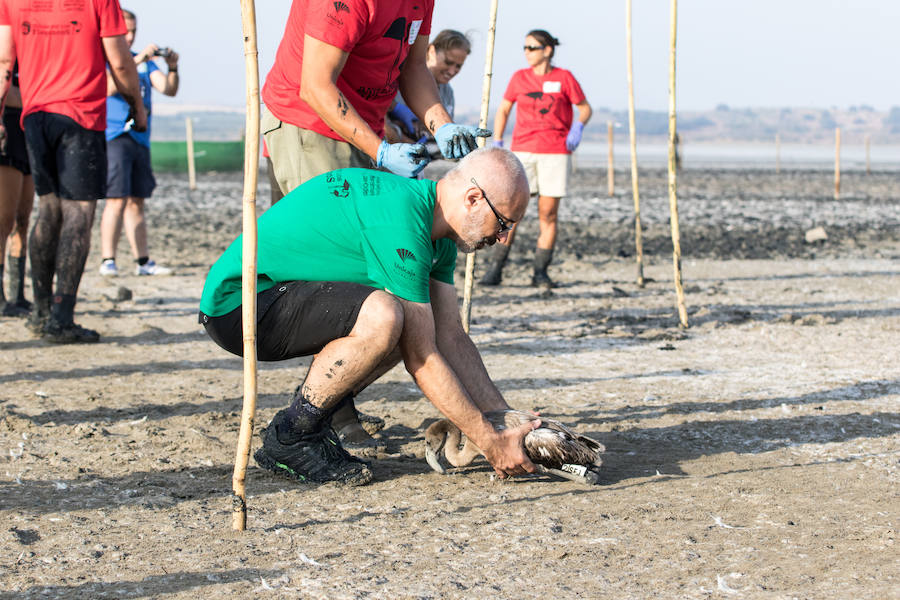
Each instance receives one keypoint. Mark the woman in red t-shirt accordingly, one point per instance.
(543, 138)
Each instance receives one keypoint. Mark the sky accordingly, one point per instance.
(764, 53)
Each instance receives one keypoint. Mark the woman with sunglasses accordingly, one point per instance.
(543, 138)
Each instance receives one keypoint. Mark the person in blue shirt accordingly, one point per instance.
(129, 174)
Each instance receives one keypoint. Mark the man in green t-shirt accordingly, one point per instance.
(356, 267)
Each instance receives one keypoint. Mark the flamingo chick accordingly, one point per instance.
(552, 447)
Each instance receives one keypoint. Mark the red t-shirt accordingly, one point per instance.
(544, 111)
(377, 34)
(62, 66)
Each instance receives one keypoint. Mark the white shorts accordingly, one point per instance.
(548, 174)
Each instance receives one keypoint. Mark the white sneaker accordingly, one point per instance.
(108, 268)
(151, 268)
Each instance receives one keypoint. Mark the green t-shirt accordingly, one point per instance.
(355, 225)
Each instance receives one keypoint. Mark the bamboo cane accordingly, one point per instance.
(673, 196)
(868, 155)
(837, 163)
(482, 122)
(777, 153)
(638, 244)
(248, 277)
(610, 168)
(189, 134)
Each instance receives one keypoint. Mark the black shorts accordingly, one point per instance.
(66, 159)
(128, 169)
(294, 318)
(16, 154)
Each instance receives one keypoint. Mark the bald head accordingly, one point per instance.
(500, 174)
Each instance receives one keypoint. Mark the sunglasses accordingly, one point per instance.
(532, 48)
(505, 224)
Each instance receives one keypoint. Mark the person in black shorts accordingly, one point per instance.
(356, 267)
(64, 119)
(16, 202)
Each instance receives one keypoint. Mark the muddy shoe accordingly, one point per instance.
(356, 440)
(315, 456)
(37, 323)
(542, 280)
(370, 423)
(72, 333)
(15, 309)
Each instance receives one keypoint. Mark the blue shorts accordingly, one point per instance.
(66, 159)
(129, 172)
(16, 154)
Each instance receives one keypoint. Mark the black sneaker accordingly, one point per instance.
(15, 309)
(72, 333)
(315, 456)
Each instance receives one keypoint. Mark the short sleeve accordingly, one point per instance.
(4, 13)
(339, 24)
(111, 21)
(425, 29)
(444, 261)
(399, 260)
(512, 88)
(575, 93)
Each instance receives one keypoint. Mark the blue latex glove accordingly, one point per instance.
(574, 137)
(402, 113)
(497, 143)
(455, 141)
(407, 160)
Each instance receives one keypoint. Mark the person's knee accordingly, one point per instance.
(381, 318)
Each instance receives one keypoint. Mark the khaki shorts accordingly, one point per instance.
(298, 155)
(548, 174)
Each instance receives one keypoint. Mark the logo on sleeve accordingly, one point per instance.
(339, 7)
(406, 255)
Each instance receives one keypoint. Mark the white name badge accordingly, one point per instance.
(414, 31)
(552, 87)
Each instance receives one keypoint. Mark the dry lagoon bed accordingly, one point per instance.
(753, 455)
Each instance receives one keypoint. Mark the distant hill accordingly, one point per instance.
(723, 123)
(794, 125)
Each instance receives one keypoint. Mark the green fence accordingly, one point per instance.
(208, 156)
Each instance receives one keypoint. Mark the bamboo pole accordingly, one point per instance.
(673, 196)
(777, 153)
(482, 122)
(192, 172)
(611, 167)
(868, 154)
(638, 244)
(837, 163)
(248, 277)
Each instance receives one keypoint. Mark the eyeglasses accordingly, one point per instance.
(532, 48)
(505, 224)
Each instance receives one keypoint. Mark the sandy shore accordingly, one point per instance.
(754, 455)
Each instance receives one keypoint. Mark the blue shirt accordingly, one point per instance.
(117, 107)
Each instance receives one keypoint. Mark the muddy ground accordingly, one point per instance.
(752, 455)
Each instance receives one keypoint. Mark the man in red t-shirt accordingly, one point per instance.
(338, 67)
(337, 70)
(63, 49)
